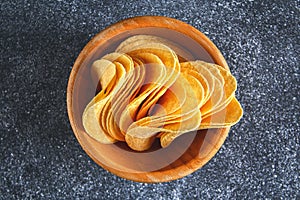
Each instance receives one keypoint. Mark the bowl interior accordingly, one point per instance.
(188, 152)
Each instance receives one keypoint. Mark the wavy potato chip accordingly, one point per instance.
(103, 71)
(128, 107)
(176, 121)
(93, 110)
(171, 101)
(156, 84)
(125, 60)
(151, 88)
(167, 112)
(137, 40)
(229, 116)
(111, 127)
(229, 89)
(205, 73)
(140, 138)
(204, 85)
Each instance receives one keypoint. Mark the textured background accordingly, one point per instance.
(40, 157)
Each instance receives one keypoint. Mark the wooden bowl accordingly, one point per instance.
(188, 152)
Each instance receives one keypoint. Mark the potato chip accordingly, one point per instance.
(187, 118)
(204, 85)
(123, 59)
(124, 113)
(172, 100)
(189, 125)
(205, 73)
(130, 111)
(156, 83)
(91, 123)
(151, 89)
(229, 116)
(92, 111)
(140, 138)
(103, 71)
(137, 40)
(111, 126)
(167, 110)
(229, 88)
(170, 60)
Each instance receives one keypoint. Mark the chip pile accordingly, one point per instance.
(149, 90)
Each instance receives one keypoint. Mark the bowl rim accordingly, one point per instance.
(147, 22)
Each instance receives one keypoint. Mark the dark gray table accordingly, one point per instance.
(41, 158)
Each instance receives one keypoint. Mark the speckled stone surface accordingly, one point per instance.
(41, 158)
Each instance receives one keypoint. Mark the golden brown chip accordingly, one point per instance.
(229, 89)
(172, 115)
(203, 82)
(172, 100)
(103, 71)
(137, 40)
(186, 126)
(147, 93)
(126, 109)
(207, 75)
(123, 59)
(229, 116)
(111, 126)
(172, 67)
(140, 138)
(93, 110)
(159, 78)
(91, 123)
(174, 123)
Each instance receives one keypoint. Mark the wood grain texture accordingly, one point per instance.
(185, 155)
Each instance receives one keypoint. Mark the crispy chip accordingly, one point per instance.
(229, 116)
(137, 40)
(151, 89)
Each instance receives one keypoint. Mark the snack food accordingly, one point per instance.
(150, 89)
